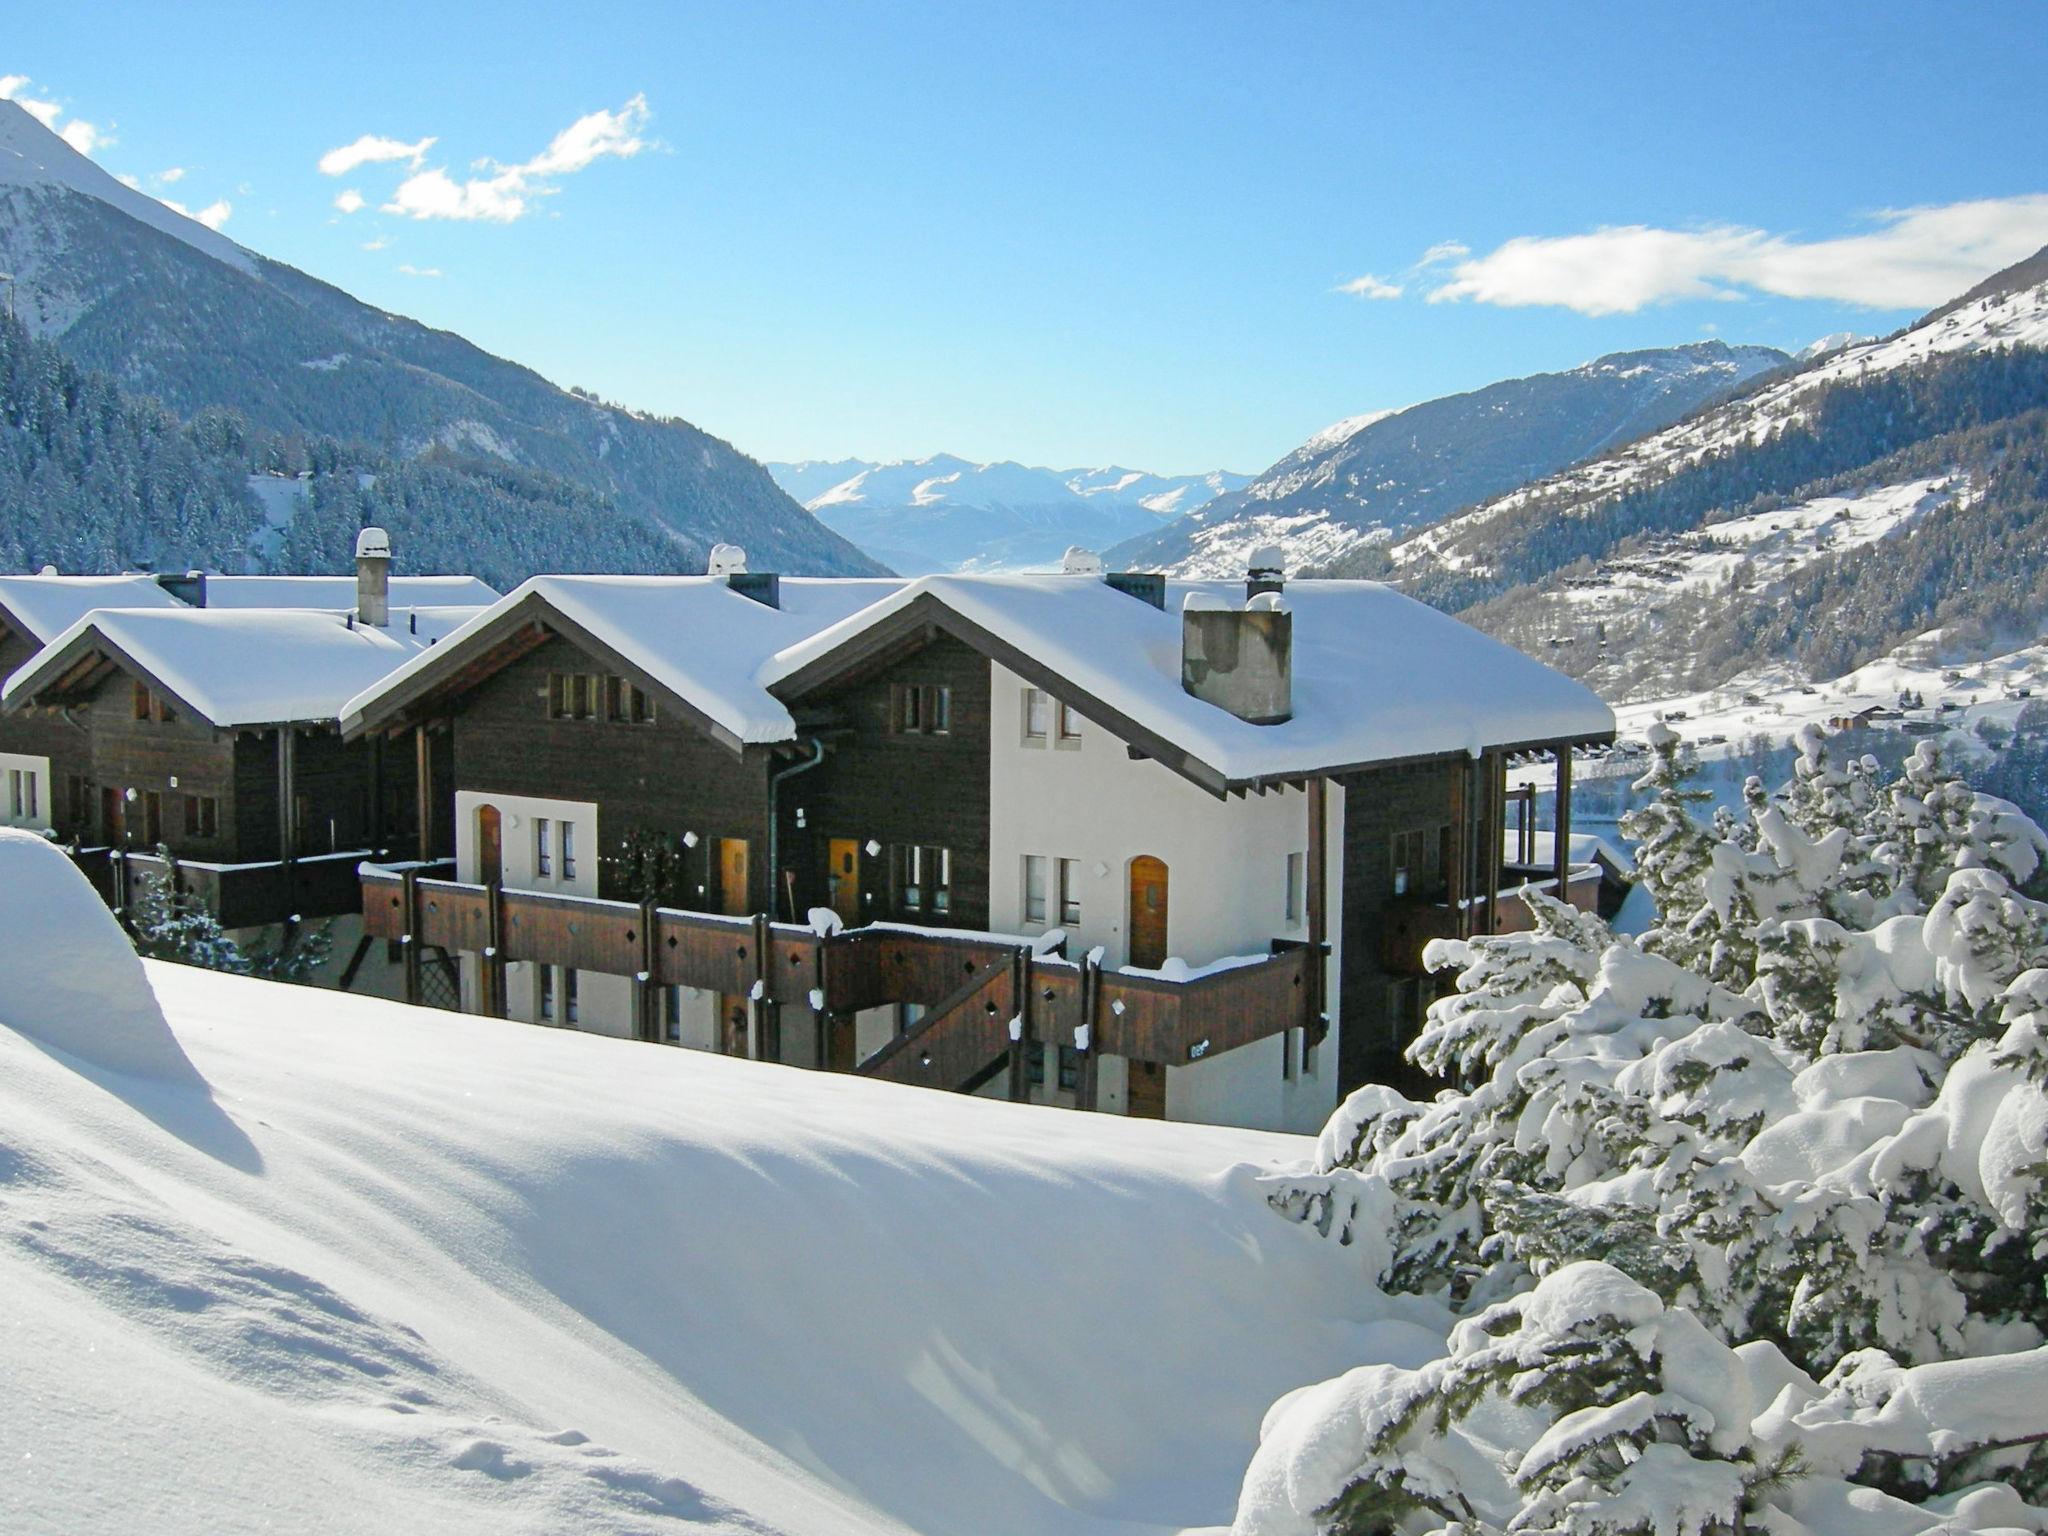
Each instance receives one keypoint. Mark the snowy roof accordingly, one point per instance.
(692, 636)
(1585, 847)
(1378, 677)
(46, 606)
(339, 592)
(233, 667)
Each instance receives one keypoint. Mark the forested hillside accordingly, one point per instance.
(94, 478)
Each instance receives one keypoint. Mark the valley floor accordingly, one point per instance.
(389, 1269)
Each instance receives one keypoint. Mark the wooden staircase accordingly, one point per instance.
(963, 1041)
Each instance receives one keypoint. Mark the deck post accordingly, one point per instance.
(423, 791)
(1316, 898)
(492, 974)
(1085, 1089)
(1561, 837)
(1020, 1010)
(646, 1016)
(1496, 831)
(287, 794)
(758, 1005)
(409, 887)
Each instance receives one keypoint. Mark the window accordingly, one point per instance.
(558, 696)
(1070, 725)
(1297, 886)
(910, 878)
(138, 699)
(1418, 861)
(29, 794)
(543, 855)
(546, 1003)
(14, 777)
(643, 707)
(1037, 717)
(570, 1013)
(672, 1015)
(162, 710)
(921, 709)
(1034, 888)
(1034, 1062)
(202, 816)
(597, 696)
(568, 850)
(1070, 891)
(618, 699)
(941, 873)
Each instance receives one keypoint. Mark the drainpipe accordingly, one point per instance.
(775, 817)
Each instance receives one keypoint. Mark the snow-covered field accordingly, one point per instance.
(359, 1267)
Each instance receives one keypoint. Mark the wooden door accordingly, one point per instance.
(839, 1043)
(732, 876)
(113, 816)
(842, 879)
(1148, 912)
(490, 845)
(1146, 1097)
(732, 1023)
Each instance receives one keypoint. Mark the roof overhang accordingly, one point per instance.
(457, 665)
(78, 670)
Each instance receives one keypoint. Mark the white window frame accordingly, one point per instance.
(1297, 887)
(1036, 872)
(568, 860)
(1067, 736)
(1037, 717)
(543, 854)
(1070, 892)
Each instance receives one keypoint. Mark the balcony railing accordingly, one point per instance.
(1141, 1017)
(238, 895)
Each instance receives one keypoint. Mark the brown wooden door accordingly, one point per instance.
(490, 845)
(842, 879)
(732, 1023)
(1146, 1097)
(1148, 912)
(113, 815)
(732, 876)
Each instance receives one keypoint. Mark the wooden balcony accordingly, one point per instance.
(975, 982)
(238, 895)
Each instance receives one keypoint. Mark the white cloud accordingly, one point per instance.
(9, 84)
(1444, 250)
(133, 183)
(350, 201)
(412, 271)
(171, 177)
(503, 193)
(213, 215)
(1913, 259)
(370, 149)
(1366, 286)
(377, 244)
(83, 136)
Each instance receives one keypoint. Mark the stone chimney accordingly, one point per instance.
(729, 561)
(373, 578)
(1239, 659)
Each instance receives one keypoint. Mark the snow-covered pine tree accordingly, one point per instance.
(1807, 1116)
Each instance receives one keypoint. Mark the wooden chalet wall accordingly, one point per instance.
(891, 788)
(664, 778)
(1379, 805)
(145, 755)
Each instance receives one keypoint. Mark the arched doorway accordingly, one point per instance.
(1148, 912)
(490, 845)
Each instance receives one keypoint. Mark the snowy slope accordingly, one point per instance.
(1372, 477)
(393, 1270)
(2005, 316)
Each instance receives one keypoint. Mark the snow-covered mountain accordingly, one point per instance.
(173, 309)
(1807, 527)
(1376, 476)
(946, 513)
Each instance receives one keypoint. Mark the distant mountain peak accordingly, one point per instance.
(32, 156)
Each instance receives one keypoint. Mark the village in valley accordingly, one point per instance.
(556, 975)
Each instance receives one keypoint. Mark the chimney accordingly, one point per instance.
(188, 588)
(373, 578)
(1239, 659)
(1080, 562)
(730, 562)
(1145, 586)
(1263, 572)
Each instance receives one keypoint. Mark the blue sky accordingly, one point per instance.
(1080, 234)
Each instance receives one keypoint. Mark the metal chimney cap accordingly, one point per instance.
(726, 560)
(1267, 557)
(373, 544)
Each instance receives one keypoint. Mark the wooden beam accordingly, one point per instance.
(287, 795)
(1561, 838)
(423, 790)
(1316, 899)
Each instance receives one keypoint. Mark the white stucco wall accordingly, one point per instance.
(1226, 889)
(12, 763)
